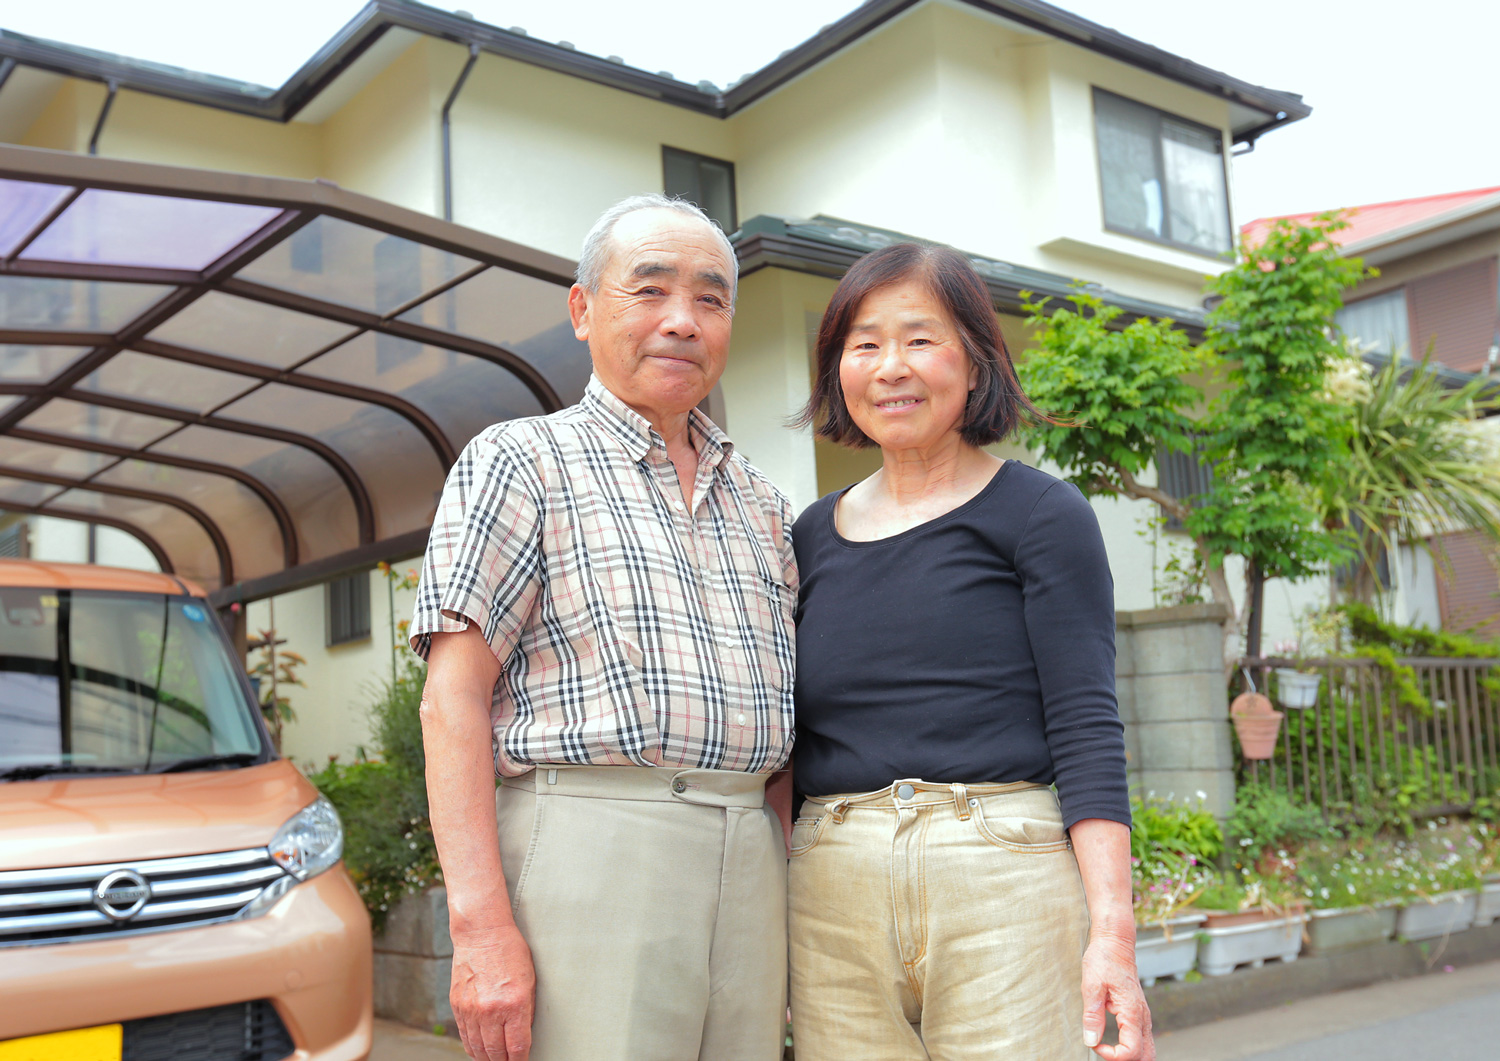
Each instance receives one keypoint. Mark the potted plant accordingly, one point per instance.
(1443, 876)
(1166, 943)
(1171, 847)
(1351, 895)
(1256, 723)
(1248, 921)
(1297, 685)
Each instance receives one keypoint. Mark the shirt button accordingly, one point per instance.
(905, 792)
(740, 718)
(679, 786)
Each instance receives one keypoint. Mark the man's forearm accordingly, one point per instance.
(461, 781)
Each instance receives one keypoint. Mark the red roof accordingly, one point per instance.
(1366, 222)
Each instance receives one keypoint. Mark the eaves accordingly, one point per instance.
(380, 16)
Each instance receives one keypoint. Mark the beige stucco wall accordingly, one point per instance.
(539, 155)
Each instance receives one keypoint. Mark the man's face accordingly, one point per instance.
(658, 327)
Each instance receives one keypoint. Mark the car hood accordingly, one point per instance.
(77, 821)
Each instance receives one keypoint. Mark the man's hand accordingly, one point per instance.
(1110, 982)
(494, 994)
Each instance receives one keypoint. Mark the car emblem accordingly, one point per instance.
(121, 894)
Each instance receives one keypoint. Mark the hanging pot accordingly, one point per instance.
(1256, 723)
(1296, 690)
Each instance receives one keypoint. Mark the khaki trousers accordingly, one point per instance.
(938, 922)
(654, 903)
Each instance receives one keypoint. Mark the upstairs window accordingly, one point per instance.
(1378, 324)
(708, 182)
(1162, 176)
(349, 608)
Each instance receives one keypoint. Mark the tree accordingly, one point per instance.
(1423, 464)
(1274, 443)
(273, 670)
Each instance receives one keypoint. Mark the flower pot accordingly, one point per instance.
(1296, 690)
(1441, 915)
(1167, 949)
(1256, 723)
(1331, 930)
(1222, 948)
(1487, 909)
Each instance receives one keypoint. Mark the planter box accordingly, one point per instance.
(1443, 915)
(1169, 949)
(1330, 930)
(1488, 907)
(1222, 947)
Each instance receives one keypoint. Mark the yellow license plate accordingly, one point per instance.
(104, 1043)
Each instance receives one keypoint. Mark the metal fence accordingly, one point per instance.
(1424, 732)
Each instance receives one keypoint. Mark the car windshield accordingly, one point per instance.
(116, 683)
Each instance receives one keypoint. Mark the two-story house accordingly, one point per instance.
(1047, 147)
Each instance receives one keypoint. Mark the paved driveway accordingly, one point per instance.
(1442, 1016)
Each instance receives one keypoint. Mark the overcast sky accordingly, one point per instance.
(1405, 97)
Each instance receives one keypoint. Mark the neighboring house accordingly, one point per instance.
(1438, 291)
(1047, 147)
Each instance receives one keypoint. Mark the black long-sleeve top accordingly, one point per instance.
(979, 646)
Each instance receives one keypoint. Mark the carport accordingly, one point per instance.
(263, 380)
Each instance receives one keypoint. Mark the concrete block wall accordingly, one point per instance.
(414, 962)
(1169, 673)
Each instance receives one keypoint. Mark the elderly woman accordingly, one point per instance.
(955, 642)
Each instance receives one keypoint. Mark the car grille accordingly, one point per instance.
(65, 904)
(246, 1031)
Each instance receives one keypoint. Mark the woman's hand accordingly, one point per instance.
(494, 994)
(1110, 983)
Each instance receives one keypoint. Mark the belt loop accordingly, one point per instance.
(961, 801)
(837, 809)
(551, 777)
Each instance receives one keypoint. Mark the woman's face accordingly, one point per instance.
(904, 371)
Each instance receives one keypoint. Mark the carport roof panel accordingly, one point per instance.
(145, 309)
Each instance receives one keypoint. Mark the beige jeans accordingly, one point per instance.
(654, 903)
(936, 922)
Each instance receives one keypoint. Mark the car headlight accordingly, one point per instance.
(311, 841)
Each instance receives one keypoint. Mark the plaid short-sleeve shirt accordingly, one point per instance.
(632, 632)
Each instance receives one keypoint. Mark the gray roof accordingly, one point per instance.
(827, 246)
(1256, 109)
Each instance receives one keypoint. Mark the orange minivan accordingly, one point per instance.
(170, 887)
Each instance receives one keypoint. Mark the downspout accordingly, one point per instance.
(458, 85)
(109, 101)
(7, 68)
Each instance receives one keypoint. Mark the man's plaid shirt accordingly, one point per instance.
(631, 631)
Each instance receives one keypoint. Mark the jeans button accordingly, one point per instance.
(679, 786)
(905, 792)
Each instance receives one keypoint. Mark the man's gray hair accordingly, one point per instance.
(598, 244)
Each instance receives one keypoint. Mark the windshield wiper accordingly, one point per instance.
(31, 771)
(203, 762)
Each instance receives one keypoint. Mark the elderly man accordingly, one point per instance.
(606, 608)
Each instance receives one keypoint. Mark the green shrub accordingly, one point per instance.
(388, 845)
(1266, 820)
(1160, 826)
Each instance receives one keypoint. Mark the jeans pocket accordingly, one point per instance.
(806, 832)
(1021, 833)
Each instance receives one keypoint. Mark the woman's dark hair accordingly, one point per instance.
(996, 405)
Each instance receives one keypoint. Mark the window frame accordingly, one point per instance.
(697, 157)
(355, 635)
(1161, 171)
